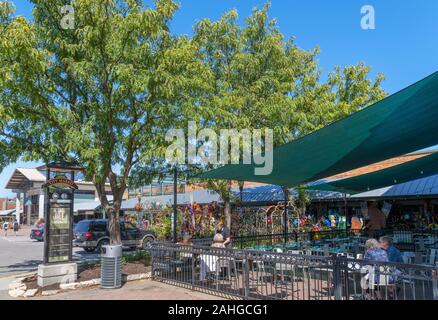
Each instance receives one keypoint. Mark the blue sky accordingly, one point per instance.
(403, 46)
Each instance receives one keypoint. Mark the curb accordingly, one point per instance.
(18, 289)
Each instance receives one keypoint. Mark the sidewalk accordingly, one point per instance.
(139, 290)
(24, 231)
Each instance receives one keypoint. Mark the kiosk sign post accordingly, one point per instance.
(59, 218)
(58, 236)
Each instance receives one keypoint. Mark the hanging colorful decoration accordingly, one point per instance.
(199, 220)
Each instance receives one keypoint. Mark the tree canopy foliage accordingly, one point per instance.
(260, 79)
(104, 93)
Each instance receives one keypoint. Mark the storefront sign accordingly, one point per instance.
(61, 182)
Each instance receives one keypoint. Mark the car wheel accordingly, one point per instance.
(101, 244)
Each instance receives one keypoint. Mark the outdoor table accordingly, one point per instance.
(208, 264)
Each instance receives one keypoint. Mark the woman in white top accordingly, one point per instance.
(218, 241)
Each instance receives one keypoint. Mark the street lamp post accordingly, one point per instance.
(241, 185)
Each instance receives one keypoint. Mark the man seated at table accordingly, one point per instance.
(393, 253)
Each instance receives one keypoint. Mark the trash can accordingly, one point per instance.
(111, 270)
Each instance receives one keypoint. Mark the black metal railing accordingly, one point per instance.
(249, 274)
(387, 281)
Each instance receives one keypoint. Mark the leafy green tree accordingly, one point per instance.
(105, 92)
(102, 93)
(259, 79)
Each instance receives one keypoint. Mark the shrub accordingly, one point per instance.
(141, 256)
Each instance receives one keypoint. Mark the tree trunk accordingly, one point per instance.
(112, 212)
(114, 224)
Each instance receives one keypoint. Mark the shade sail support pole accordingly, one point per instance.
(285, 226)
(175, 205)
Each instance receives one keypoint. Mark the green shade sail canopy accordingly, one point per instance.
(412, 170)
(404, 122)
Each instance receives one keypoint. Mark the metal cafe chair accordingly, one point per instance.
(403, 237)
(225, 263)
(261, 269)
(380, 281)
(431, 256)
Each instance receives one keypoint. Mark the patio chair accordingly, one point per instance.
(420, 244)
(262, 270)
(382, 280)
(286, 276)
(228, 264)
(431, 257)
(403, 237)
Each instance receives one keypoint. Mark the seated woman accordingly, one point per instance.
(374, 252)
(218, 241)
(208, 262)
(186, 241)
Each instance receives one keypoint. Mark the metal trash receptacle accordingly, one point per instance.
(111, 269)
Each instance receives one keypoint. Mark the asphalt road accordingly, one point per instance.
(20, 255)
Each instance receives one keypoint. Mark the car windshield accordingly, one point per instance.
(82, 226)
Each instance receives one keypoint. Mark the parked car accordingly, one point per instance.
(37, 234)
(93, 234)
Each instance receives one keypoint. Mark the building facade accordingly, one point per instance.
(27, 184)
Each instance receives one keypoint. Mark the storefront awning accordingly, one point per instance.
(399, 124)
(412, 170)
(24, 176)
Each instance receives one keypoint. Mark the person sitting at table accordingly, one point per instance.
(373, 251)
(208, 261)
(186, 240)
(393, 253)
(218, 241)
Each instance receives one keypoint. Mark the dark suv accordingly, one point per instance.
(93, 234)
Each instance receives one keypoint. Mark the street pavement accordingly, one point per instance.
(137, 290)
(20, 255)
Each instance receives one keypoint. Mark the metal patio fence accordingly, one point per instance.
(247, 274)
